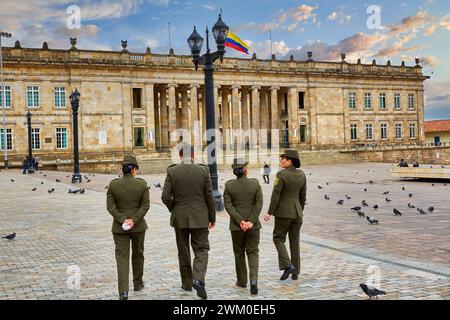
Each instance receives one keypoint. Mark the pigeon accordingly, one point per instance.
(348, 198)
(327, 197)
(410, 195)
(157, 185)
(68, 176)
(319, 187)
(396, 212)
(385, 193)
(376, 207)
(443, 167)
(371, 292)
(361, 214)
(42, 182)
(328, 184)
(411, 206)
(370, 181)
(341, 202)
(403, 188)
(93, 175)
(356, 208)
(388, 200)
(12, 180)
(421, 211)
(11, 236)
(365, 190)
(432, 184)
(430, 209)
(371, 220)
(82, 191)
(74, 191)
(51, 190)
(45, 175)
(364, 203)
(34, 189)
(57, 180)
(88, 180)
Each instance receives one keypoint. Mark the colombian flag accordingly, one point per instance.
(234, 42)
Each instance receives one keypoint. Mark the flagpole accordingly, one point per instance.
(170, 40)
(270, 35)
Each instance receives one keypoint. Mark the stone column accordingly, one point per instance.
(420, 129)
(194, 109)
(164, 119)
(216, 106)
(172, 113)
(225, 114)
(293, 116)
(245, 111)
(126, 114)
(256, 122)
(184, 110)
(274, 112)
(235, 107)
(264, 116)
(157, 119)
(149, 103)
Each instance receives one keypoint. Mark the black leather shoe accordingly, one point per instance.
(253, 287)
(123, 295)
(295, 277)
(200, 288)
(139, 287)
(287, 271)
(241, 285)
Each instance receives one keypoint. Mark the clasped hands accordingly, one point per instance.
(246, 225)
(130, 222)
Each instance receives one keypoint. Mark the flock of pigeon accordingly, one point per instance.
(364, 204)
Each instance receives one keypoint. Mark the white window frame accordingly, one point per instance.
(367, 101)
(397, 135)
(369, 131)
(384, 126)
(62, 132)
(382, 101)
(7, 97)
(34, 91)
(411, 101)
(412, 129)
(352, 100)
(353, 129)
(59, 97)
(9, 139)
(397, 98)
(36, 144)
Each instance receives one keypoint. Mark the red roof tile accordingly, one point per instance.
(437, 125)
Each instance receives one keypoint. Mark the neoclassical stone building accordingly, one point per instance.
(131, 102)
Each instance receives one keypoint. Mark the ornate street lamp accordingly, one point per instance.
(75, 102)
(195, 42)
(3, 35)
(30, 152)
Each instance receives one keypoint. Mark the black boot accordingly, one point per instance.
(123, 295)
(253, 287)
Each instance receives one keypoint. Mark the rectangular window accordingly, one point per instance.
(352, 100)
(8, 139)
(353, 132)
(303, 133)
(61, 138)
(7, 97)
(33, 96)
(139, 137)
(397, 101)
(384, 131)
(398, 131)
(301, 100)
(137, 98)
(368, 100)
(411, 101)
(60, 97)
(369, 132)
(35, 138)
(382, 101)
(412, 131)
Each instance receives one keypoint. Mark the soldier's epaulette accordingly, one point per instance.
(142, 179)
(202, 164)
(172, 165)
(230, 181)
(255, 179)
(115, 179)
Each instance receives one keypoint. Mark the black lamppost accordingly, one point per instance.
(195, 42)
(75, 102)
(30, 151)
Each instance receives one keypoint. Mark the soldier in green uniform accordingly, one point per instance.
(243, 201)
(187, 193)
(287, 204)
(128, 202)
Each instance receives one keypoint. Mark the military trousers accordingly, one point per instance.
(290, 227)
(200, 245)
(246, 243)
(122, 242)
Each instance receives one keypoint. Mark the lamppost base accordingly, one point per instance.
(218, 198)
(76, 178)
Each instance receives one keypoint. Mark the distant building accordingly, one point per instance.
(437, 132)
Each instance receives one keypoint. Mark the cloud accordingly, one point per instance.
(396, 49)
(258, 27)
(164, 3)
(341, 16)
(332, 16)
(445, 22)
(410, 23)
(296, 16)
(440, 98)
(429, 61)
(262, 49)
(209, 6)
(110, 9)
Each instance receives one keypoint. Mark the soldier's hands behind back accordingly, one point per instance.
(211, 225)
(267, 217)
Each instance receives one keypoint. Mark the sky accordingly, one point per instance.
(382, 30)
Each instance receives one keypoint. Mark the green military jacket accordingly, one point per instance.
(289, 194)
(243, 201)
(128, 198)
(187, 193)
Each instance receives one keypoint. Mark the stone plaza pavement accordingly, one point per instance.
(63, 237)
